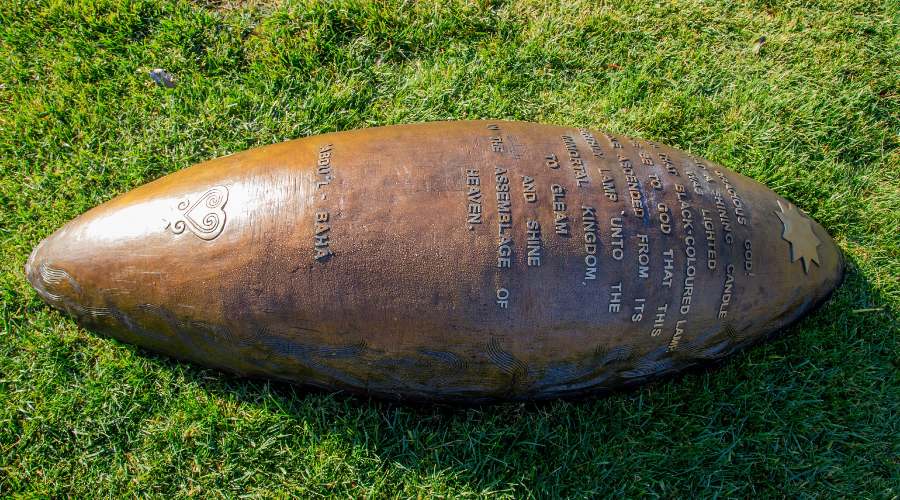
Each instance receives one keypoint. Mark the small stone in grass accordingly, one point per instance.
(758, 45)
(162, 77)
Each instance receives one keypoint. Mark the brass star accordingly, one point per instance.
(798, 232)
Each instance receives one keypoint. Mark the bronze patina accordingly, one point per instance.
(474, 261)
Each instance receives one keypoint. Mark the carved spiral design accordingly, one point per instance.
(215, 197)
(208, 223)
(205, 218)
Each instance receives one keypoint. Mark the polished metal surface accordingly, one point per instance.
(472, 261)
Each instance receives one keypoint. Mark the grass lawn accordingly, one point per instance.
(814, 113)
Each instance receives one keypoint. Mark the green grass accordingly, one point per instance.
(815, 116)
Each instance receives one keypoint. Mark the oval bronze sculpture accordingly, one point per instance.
(473, 261)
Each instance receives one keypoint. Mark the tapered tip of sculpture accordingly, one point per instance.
(32, 266)
(52, 284)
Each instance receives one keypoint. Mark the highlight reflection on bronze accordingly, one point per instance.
(482, 260)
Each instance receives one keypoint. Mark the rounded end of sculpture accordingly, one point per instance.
(32, 270)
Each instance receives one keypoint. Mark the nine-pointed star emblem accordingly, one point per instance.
(798, 232)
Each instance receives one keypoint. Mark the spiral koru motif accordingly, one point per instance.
(205, 217)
